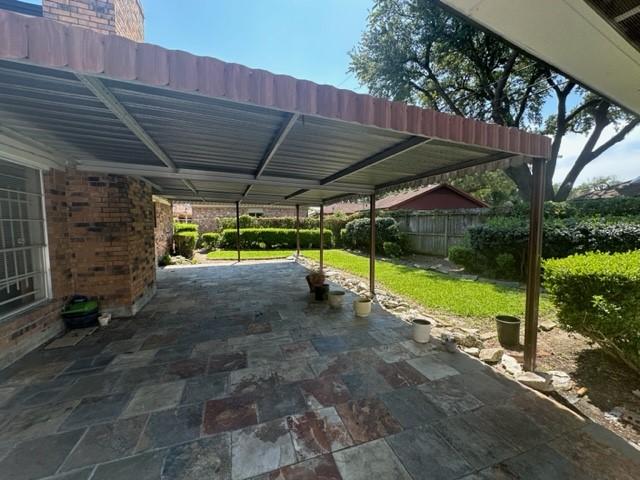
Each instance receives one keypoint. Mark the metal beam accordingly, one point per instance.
(296, 193)
(377, 158)
(372, 248)
(17, 146)
(277, 141)
(151, 184)
(238, 229)
(321, 237)
(217, 176)
(493, 157)
(533, 264)
(191, 187)
(297, 230)
(113, 104)
(628, 14)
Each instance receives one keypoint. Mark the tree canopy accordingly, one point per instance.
(414, 51)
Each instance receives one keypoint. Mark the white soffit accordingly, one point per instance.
(569, 35)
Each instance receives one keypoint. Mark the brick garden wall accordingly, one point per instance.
(163, 232)
(206, 216)
(120, 17)
(101, 244)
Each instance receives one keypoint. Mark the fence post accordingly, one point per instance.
(446, 235)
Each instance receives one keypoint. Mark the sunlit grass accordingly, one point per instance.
(249, 254)
(436, 291)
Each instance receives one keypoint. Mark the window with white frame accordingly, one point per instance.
(23, 248)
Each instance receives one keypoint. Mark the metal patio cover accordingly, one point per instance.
(201, 129)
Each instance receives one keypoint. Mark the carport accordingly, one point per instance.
(199, 129)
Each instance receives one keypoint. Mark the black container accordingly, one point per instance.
(322, 293)
(508, 330)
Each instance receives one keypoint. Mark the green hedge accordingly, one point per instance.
(507, 238)
(185, 227)
(598, 295)
(269, 238)
(581, 209)
(334, 223)
(210, 240)
(186, 243)
(357, 233)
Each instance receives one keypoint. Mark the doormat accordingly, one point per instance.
(72, 338)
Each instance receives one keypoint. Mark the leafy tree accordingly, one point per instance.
(493, 187)
(414, 51)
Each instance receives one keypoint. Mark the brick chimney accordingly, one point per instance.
(119, 17)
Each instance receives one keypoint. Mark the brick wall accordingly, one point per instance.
(163, 232)
(100, 230)
(206, 216)
(129, 18)
(25, 332)
(120, 17)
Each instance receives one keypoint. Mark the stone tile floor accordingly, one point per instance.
(233, 372)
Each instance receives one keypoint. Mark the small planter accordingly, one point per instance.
(315, 279)
(421, 330)
(104, 319)
(336, 298)
(450, 344)
(362, 307)
(508, 330)
(321, 292)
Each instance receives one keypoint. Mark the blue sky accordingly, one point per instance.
(310, 39)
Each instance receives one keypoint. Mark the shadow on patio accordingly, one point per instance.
(232, 372)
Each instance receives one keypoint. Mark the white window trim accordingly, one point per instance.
(46, 264)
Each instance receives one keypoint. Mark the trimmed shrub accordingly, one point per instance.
(472, 261)
(506, 266)
(392, 249)
(165, 260)
(186, 243)
(272, 238)
(358, 233)
(559, 239)
(598, 295)
(210, 240)
(185, 227)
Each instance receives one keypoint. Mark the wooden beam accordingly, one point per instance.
(279, 138)
(533, 264)
(113, 104)
(379, 157)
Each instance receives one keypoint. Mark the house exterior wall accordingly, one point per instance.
(163, 232)
(206, 216)
(441, 199)
(120, 17)
(100, 234)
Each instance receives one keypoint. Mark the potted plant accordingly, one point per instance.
(362, 306)
(421, 330)
(508, 330)
(315, 279)
(336, 297)
(450, 343)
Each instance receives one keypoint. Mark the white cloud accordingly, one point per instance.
(621, 160)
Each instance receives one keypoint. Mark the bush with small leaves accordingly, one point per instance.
(598, 295)
(186, 243)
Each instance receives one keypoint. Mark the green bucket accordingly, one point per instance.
(508, 330)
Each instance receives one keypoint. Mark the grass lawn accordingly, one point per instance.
(436, 291)
(248, 254)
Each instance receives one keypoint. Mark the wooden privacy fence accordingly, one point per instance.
(432, 232)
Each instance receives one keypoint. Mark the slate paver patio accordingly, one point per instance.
(215, 378)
